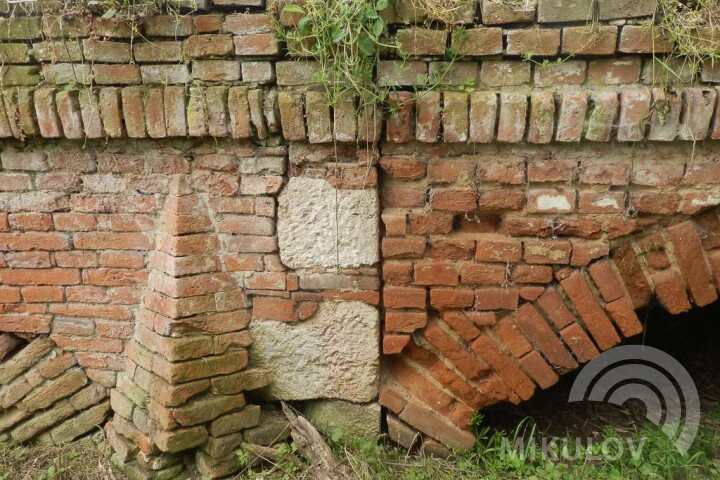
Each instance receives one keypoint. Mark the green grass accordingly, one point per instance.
(371, 461)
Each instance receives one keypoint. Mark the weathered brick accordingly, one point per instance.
(587, 306)
(478, 42)
(589, 40)
(422, 41)
(533, 41)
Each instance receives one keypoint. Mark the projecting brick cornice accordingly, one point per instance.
(538, 116)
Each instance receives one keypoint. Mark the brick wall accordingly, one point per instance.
(189, 232)
(504, 267)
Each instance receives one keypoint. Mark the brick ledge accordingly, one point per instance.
(629, 114)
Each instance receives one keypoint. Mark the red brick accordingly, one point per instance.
(508, 370)
(394, 272)
(499, 73)
(9, 294)
(401, 120)
(269, 308)
(30, 221)
(544, 338)
(34, 324)
(525, 227)
(604, 173)
(122, 259)
(614, 71)
(632, 275)
(555, 309)
(457, 353)
(449, 248)
(533, 41)
(509, 172)
(575, 337)
(501, 199)
(692, 263)
(512, 337)
(430, 223)
(404, 297)
(114, 276)
(579, 227)
(644, 39)
(461, 324)
(542, 117)
(606, 280)
(28, 259)
(42, 294)
(48, 276)
(394, 196)
(535, 366)
(116, 241)
(467, 393)
(408, 247)
(585, 251)
(478, 42)
(427, 392)
(87, 344)
(402, 167)
(391, 399)
(548, 252)
(76, 258)
(531, 292)
(451, 170)
(622, 313)
(422, 41)
(551, 201)
(452, 200)
(601, 202)
(634, 103)
(74, 222)
(394, 224)
(587, 306)
(113, 312)
(34, 241)
(445, 298)
(493, 248)
(483, 274)
(714, 260)
(394, 344)
(435, 273)
(531, 274)
(406, 322)
(427, 119)
(589, 40)
(483, 112)
(670, 292)
(503, 298)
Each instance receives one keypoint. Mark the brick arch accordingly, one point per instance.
(474, 347)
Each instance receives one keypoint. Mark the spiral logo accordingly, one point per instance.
(651, 376)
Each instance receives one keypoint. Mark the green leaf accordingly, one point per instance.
(381, 5)
(366, 45)
(339, 35)
(292, 8)
(304, 25)
(109, 14)
(378, 27)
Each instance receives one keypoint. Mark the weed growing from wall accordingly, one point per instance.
(347, 40)
(693, 26)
